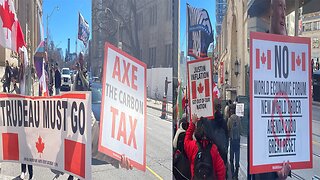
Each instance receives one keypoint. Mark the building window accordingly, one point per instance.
(140, 21)
(316, 25)
(141, 55)
(153, 15)
(307, 26)
(315, 43)
(168, 54)
(169, 9)
(152, 57)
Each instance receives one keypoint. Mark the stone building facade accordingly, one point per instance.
(142, 28)
(231, 50)
(311, 28)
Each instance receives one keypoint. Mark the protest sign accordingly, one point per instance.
(200, 87)
(280, 102)
(123, 110)
(51, 132)
(240, 109)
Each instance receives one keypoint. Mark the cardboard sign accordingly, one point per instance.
(200, 87)
(51, 132)
(240, 109)
(123, 110)
(280, 102)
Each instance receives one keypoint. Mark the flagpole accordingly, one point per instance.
(187, 45)
(77, 33)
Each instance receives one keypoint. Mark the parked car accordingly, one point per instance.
(96, 91)
(316, 85)
(65, 79)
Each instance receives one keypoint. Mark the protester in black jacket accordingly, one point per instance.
(7, 78)
(220, 133)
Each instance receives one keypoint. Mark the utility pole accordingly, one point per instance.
(48, 16)
(175, 51)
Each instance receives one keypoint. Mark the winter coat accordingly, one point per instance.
(191, 149)
(57, 79)
(218, 133)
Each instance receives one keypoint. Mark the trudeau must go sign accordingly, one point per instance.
(53, 132)
(123, 110)
(280, 102)
(200, 87)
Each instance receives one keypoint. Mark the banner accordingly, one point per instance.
(280, 102)
(83, 30)
(123, 113)
(200, 88)
(200, 33)
(51, 132)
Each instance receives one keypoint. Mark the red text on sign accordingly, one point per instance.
(122, 129)
(124, 78)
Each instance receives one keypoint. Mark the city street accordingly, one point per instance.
(296, 174)
(159, 159)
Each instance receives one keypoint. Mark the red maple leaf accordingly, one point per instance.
(7, 16)
(40, 145)
(215, 94)
(298, 60)
(263, 58)
(200, 88)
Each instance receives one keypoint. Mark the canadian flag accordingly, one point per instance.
(11, 35)
(43, 82)
(298, 60)
(200, 87)
(264, 58)
(216, 92)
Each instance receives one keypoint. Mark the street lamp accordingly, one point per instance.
(226, 74)
(55, 8)
(236, 67)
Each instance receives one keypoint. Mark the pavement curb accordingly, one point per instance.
(159, 109)
(316, 103)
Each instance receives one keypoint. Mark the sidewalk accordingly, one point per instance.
(316, 103)
(157, 105)
(243, 158)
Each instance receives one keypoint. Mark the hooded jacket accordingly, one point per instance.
(191, 150)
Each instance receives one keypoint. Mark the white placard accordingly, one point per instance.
(123, 110)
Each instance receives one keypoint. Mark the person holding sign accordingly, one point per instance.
(203, 164)
(277, 26)
(81, 84)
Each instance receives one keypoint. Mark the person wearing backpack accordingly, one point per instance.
(205, 160)
(181, 165)
(234, 128)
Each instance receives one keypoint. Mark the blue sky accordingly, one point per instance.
(63, 24)
(209, 5)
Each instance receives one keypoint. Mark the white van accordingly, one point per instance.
(65, 79)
